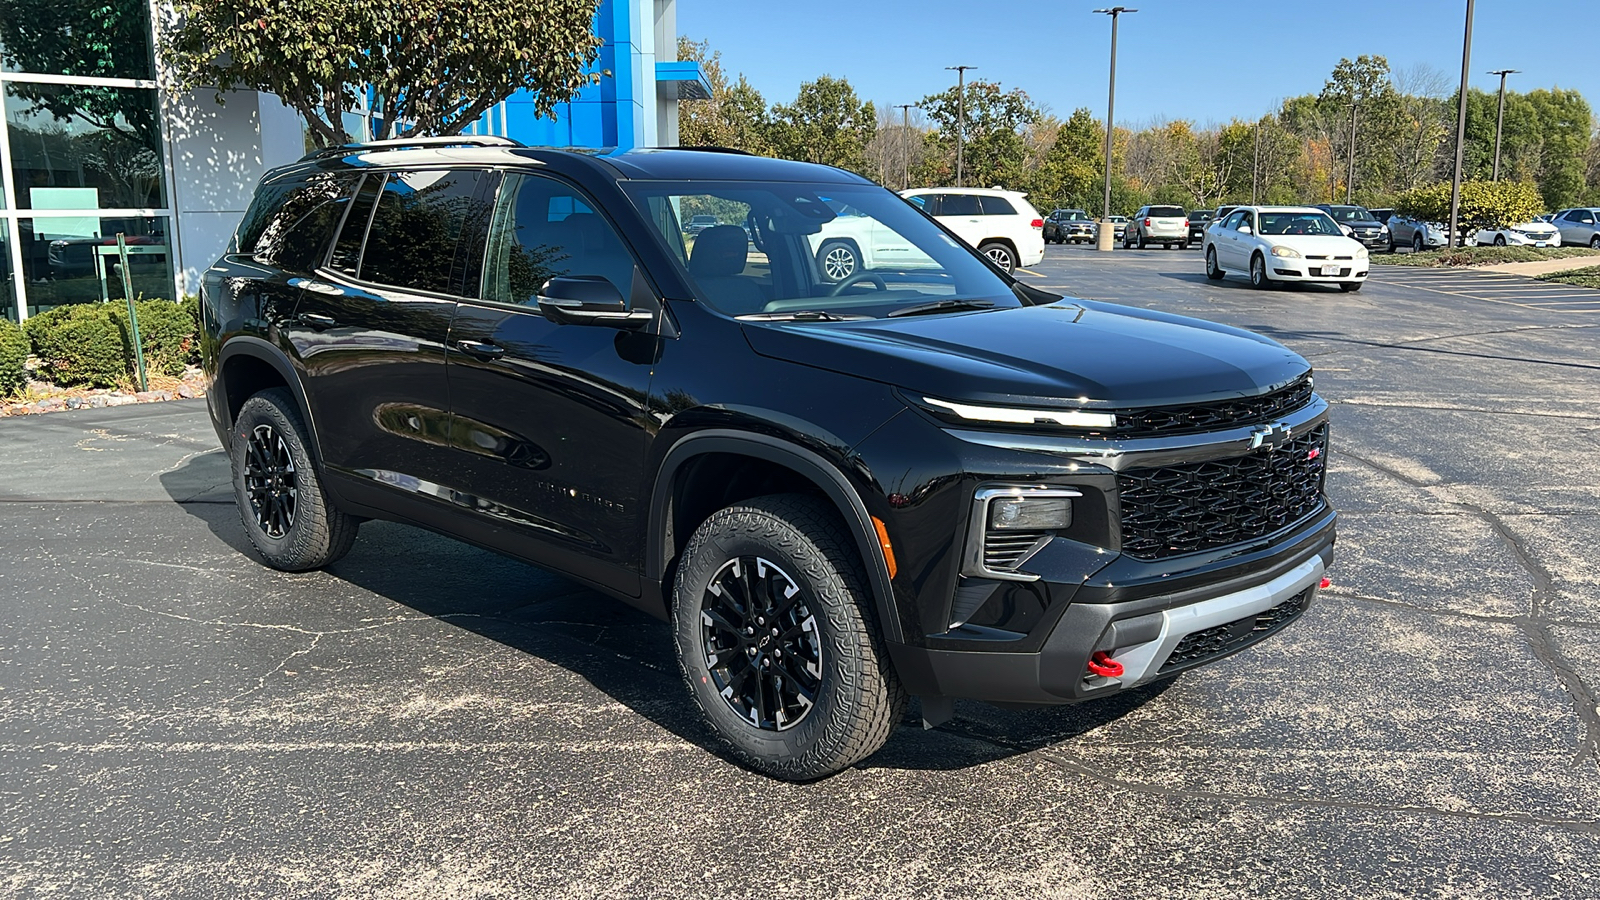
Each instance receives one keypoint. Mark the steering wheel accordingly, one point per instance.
(858, 277)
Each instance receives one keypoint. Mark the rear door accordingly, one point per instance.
(550, 424)
(1577, 226)
(963, 214)
(371, 329)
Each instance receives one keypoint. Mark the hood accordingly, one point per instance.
(1079, 353)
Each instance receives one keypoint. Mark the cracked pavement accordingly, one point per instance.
(429, 720)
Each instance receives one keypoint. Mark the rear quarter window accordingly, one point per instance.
(997, 206)
(294, 226)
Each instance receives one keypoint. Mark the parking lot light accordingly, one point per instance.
(1103, 234)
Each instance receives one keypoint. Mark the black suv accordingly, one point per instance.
(924, 478)
(1065, 225)
(1363, 225)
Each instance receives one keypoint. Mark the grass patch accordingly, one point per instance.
(1482, 256)
(1589, 278)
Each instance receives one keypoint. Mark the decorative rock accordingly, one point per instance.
(119, 400)
(98, 402)
(189, 391)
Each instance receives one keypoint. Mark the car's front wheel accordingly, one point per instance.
(1499, 240)
(1213, 271)
(778, 641)
(1416, 243)
(1001, 255)
(285, 508)
(1258, 273)
(1595, 241)
(1350, 287)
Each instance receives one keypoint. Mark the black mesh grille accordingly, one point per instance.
(1172, 510)
(1195, 418)
(1203, 645)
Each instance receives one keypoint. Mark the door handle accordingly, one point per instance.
(319, 322)
(480, 350)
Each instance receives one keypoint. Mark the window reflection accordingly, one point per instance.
(63, 264)
(417, 227)
(542, 230)
(8, 296)
(82, 147)
(99, 38)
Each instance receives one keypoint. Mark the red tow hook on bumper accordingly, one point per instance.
(1325, 583)
(1101, 663)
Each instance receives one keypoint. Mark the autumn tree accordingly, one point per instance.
(432, 66)
(994, 150)
(734, 117)
(827, 123)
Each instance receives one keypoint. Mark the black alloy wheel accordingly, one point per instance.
(778, 641)
(760, 643)
(285, 510)
(1213, 271)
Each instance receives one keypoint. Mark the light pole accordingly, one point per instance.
(905, 144)
(1455, 231)
(1350, 179)
(1103, 234)
(961, 115)
(1500, 118)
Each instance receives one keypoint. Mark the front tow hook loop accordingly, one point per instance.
(1326, 583)
(1102, 664)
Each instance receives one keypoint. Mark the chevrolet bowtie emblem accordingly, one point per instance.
(1270, 435)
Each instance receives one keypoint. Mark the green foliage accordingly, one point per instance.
(13, 354)
(90, 344)
(1484, 204)
(734, 117)
(79, 345)
(1587, 277)
(994, 151)
(436, 65)
(825, 124)
(1544, 139)
(1484, 256)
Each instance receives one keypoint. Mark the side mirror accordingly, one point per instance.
(588, 300)
(1246, 229)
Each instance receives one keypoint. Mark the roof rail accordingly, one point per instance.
(451, 140)
(732, 150)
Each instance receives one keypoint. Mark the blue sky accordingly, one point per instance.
(1200, 60)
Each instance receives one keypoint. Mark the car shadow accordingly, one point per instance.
(621, 651)
(1240, 283)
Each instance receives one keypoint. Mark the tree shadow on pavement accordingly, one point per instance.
(621, 651)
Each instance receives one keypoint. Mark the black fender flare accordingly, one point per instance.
(814, 467)
(262, 351)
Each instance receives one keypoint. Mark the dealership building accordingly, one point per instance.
(94, 144)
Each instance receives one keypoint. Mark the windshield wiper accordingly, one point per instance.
(941, 306)
(799, 315)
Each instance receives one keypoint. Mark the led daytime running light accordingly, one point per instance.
(1071, 418)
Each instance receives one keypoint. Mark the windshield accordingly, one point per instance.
(1072, 215)
(786, 249)
(1298, 223)
(1200, 215)
(1350, 214)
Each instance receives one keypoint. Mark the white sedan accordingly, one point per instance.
(1283, 244)
(1528, 234)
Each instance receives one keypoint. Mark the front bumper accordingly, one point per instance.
(1290, 269)
(1145, 634)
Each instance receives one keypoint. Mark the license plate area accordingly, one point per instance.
(1330, 270)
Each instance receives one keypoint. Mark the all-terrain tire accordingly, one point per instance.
(283, 505)
(784, 539)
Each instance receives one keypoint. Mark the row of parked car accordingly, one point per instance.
(1383, 230)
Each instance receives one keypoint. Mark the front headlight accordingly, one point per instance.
(1362, 253)
(1383, 229)
(1286, 252)
(1025, 513)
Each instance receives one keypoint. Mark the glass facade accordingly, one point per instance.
(83, 133)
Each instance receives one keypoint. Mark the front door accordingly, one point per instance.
(371, 327)
(550, 425)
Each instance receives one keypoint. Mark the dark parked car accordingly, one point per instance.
(1198, 220)
(697, 224)
(924, 478)
(1373, 234)
(1065, 225)
(1382, 214)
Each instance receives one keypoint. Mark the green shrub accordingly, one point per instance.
(1484, 204)
(13, 354)
(79, 345)
(165, 329)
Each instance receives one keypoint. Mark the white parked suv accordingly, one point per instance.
(1528, 234)
(1002, 225)
(1165, 225)
(1285, 243)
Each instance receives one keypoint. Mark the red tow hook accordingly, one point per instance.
(1101, 663)
(1326, 583)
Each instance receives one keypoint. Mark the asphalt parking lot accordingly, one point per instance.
(427, 720)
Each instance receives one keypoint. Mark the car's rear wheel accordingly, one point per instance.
(1595, 241)
(1350, 287)
(838, 260)
(1213, 271)
(1183, 246)
(285, 509)
(1258, 273)
(1499, 240)
(1001, 254)
(1141, 240)
(778, 642)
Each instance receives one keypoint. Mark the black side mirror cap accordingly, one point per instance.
(589, 300)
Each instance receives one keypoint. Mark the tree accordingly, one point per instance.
(825, 124)
(1071, 172)
(736, 115)
(1360, 108)
(432, 66)
(995, 150)
(1484, 204)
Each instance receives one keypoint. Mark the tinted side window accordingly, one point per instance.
(543, 229)
(1166, 212)
(960, 205)
(1233, 220)
(347, 251)
(269, 199)
(929, 203)
(417, 227)
(297, 234)
(998, 206)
